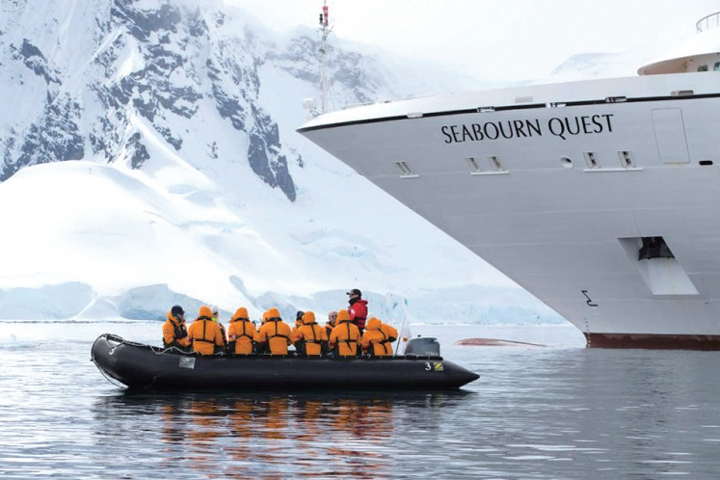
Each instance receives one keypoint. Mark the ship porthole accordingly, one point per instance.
(566, 162)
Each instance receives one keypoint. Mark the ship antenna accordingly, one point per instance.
(325, 30)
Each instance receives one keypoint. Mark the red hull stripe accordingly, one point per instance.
(639, 340)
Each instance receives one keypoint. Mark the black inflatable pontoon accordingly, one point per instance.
(141, 366)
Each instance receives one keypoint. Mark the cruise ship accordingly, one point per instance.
(599, 197)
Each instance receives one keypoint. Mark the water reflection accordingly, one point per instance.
(269, 435)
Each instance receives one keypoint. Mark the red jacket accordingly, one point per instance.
(358, 313)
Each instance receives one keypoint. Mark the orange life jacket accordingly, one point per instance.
(174, 333)
(276, 334)
(242, 334)
(205, 336)
(311, 337)
(374, 340)
(345, 337)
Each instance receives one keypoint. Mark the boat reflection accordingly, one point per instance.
(272, 436)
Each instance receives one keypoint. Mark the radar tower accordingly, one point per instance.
(324, 30)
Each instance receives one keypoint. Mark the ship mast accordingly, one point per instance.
(324, 30)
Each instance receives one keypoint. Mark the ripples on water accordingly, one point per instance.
(562, 412)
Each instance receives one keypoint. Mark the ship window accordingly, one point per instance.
(702, 68)
(405, 171)
(625, 159)
(495, 163)
(705, 163)
(716, 67)
(591, 160)
(566, 162)
(472, 164)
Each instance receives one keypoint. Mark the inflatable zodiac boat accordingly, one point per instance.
(141, 366)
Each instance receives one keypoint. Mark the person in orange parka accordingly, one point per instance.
(345, 336)
(275, 334)
(174, 330)
(205, 334)
(241, 333)
(310, 339)
(375, 340)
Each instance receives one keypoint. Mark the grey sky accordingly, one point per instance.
(495, 39)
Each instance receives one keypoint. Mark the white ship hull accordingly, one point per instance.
(557, 185)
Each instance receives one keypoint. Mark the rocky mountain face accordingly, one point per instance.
(90, 80)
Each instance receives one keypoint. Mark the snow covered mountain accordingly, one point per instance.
(149, 157)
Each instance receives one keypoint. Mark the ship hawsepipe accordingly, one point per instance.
(140, 366)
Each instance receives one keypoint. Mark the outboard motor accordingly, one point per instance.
(423, 347)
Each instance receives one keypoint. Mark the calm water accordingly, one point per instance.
(559, 412)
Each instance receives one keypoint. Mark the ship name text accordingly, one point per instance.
(561, 127)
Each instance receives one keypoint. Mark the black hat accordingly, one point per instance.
(177, 310)
(299, 314)
(354, 291)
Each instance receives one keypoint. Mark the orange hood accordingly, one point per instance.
(308, 318)
(373, 324)
(240, 314)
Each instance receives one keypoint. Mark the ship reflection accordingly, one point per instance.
(271, 436)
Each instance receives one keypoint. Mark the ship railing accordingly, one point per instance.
(708, 22)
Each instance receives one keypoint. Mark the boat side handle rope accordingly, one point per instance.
(108, 377)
